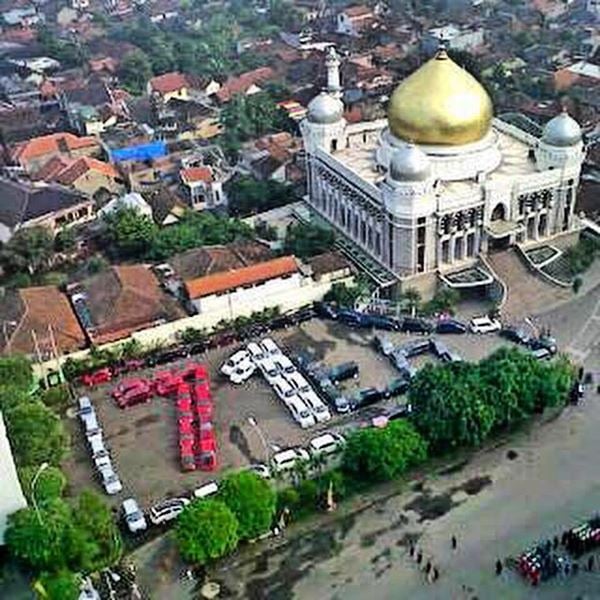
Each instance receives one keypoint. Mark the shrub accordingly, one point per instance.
(57, 398)
(50, 485)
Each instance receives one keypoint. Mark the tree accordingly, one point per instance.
(99, 539)
(206, 530)
(16, 371)
(305, 241)
(135, 71)
(191, 335)
(131, 233)
(44, 543)
(248, 195)
(57, 398)
(30, 250)
(50, 484)
(383, 454)
(36, 434)
(444, 301)
(11, 397)
(65, 241)
(62, 585)
(252, 501)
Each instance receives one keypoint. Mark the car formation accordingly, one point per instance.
(291, 387)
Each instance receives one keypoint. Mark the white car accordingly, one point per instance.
(206, 490)
(168, 510)
(133, 516)
(242, 372)
(96, 443)
(90, 423)
(269, 369)
(257, 354)
(316, 406)
(232, 363)
(270, 347)
(84, 405)
(286, 459)
(110, 481)
(298, 382)
(285, 365)
(484, 325)
(261, 470)
(102, 459)
(282, 388)
(328, 443)
(300, 412)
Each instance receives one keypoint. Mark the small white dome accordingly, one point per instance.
(324, 109)
(409, 163)
(562, 130)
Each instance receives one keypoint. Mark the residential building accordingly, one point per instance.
(202, 189)
(34, 153)
(454, 37)
(421, 195)
(593, 7)
(247, 83)
(86, 175)
(132, 142)
(131, 201)
(26, 204)
(39, 316)
(354, 20)
(168, 86)
(120, 301)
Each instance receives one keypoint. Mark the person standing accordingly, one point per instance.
(454, 542)
(499, 567)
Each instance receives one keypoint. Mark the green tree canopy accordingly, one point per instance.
(248, 196)
(16, 371)
(50, 484)
(383, 454)
(130, 232)
(206, 530)
(12, 396)
(305, 240)
(63, 585)
(36, 434)
(135, 71)
(252, 501)
(29, 249)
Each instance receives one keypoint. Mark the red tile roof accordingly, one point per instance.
(68, 170)
(44, 307)
(241, 84)
(230, 280)
(169, 82)
(194, 174)
(53, 143)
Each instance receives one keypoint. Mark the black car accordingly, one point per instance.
(450, 326)
(382, 322)
(515, 334)
(196, 348)
(395, 387)
(325, 311)
(281, 322)
(343, 371)
(353, 318)
(304, 314)
(366, 397)
(166, 356)
(415, 348)
(416, 325)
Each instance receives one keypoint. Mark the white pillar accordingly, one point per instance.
(332, 63)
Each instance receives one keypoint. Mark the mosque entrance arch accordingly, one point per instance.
(499, 213)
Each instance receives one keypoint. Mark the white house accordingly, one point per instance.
(133, 200)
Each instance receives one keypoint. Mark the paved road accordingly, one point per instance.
(495, 506)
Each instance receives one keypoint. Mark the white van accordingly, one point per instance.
(283, 389)
(90, 423)
(316, 406)
(298, 382)
(300, 412)
(206, 490)
(96, 443)
(328, 443)
(257, 354)
(286, 459)
(269, 369)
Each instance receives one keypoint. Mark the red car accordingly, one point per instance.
(136, 395)
(204, 411)
(202, 393)
(186, 425)
(186, 454)
(167, 383)
(129, 384)
(97, 377)
(206, 456)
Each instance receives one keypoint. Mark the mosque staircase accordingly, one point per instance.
(527, 293)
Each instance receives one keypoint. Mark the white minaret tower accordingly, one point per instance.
(332, 62)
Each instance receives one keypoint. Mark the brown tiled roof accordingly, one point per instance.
(200, 262)
(328, 262)
(194, 174)
(356, 12)
(168, 82)
(41, 307)
(230, 280)
(239, 85)
(125, 299)
(67, 170)
(53, 143)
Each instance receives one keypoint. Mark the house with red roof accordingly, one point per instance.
(247, 83)
(169, 85)
(34, 153)
(204, 188)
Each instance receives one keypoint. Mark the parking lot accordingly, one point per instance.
(143, 440)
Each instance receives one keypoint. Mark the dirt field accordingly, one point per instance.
(143, 440)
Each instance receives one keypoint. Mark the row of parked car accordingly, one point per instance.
(98, 450)
(291, 387)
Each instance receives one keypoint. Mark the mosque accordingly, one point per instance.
(428, 192)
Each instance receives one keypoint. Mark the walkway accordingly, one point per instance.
(527, 293)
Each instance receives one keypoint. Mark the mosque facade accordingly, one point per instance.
(440, 182)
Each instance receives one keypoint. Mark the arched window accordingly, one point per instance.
(499, 213)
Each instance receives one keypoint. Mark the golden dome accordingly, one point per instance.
(440, 103)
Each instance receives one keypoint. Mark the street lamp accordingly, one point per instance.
(252, 421)
(42, 468)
